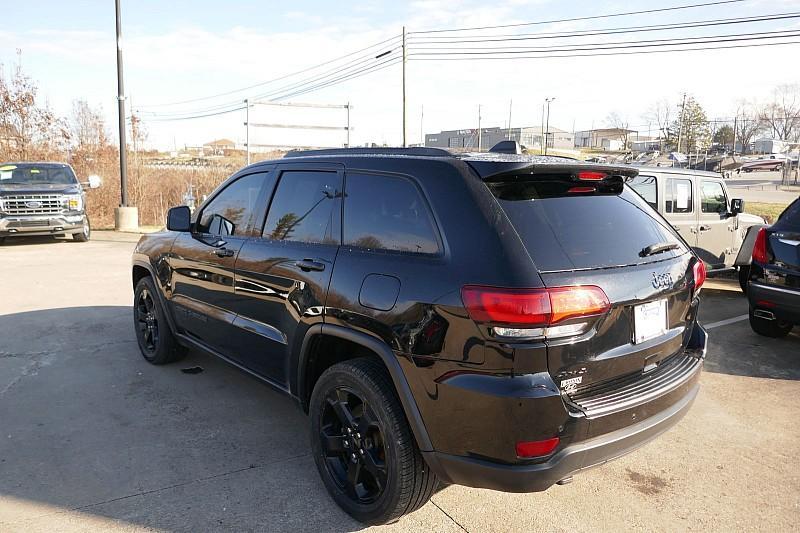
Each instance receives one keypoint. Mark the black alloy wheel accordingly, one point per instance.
(363, 446)
(156, 341)
(354, 447)
(147, 321)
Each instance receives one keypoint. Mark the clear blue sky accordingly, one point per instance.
(179, 49)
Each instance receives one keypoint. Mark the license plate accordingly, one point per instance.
(650, 320)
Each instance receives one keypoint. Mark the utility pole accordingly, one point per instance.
(421, 130)
(735, 126)
(510, 102)
(479, 128)
(680, 129)
(547, 131)
(542, 139)
(405, 60)
(123, 156)
(247, 128)
(348, 124)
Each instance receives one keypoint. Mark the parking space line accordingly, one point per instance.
(726, 322)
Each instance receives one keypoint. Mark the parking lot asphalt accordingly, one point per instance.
(94, 438)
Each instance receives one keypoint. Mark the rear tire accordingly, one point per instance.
(85, 234)
(156, 341)
(362, 444)
(769, 328)
(744, 277)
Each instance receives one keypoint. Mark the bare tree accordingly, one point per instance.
(616, 121)
(88, 127)
(27, 130)
(747, 124)
(781, 116)
(660, 113)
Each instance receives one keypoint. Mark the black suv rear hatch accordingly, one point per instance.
(582, 227)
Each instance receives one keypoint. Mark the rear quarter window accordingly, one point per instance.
(584, 232)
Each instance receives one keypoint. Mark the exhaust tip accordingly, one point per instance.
(565, 481)
(766, 315)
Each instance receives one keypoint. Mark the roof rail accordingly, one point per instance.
(418, 151)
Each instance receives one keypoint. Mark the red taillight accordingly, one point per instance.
(537, 448)
(591, 175)
(533, 307)
(760, 247)
(699, 271)
(581, 190)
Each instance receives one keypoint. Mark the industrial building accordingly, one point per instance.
(605, 138)
(530, 137)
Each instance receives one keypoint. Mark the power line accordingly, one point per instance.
(614, 45)
(639, 52)
(290, 87)
(575, 19)
(191, 117)
(603, 31)
(267, 82)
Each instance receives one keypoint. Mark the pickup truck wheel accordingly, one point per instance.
(362, 444)
(769, 328)
(85, 233)
(744, 277)
(156, 341)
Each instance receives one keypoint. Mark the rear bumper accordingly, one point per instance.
(784, 302)
(604, 436)
(569, 461)
(32, 225)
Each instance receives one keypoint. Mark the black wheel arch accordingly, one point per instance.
(381, 350)
(142, 269)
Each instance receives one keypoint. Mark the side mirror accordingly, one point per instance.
(94, 181)
(737, 206)
(179, 218)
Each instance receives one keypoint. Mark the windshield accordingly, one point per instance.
(31, 174)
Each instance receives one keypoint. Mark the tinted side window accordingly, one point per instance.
(304, 208)
(647, 188)
(230, 211)
(712, 197)
(789, 220)
(678, 196)
(387, 213)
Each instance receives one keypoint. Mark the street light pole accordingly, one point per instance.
(123, 159)
(405, 59)
(247, 128)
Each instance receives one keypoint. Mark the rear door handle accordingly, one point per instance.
(223, 252)
(705, 228)
(308, 265)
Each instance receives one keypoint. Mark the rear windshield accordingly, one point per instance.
(789, 220)
(564, 232)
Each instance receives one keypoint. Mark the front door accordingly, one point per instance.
(202, 263)
(282, 275)
(714, 225)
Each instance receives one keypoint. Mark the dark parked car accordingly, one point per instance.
(496, 320)
(43, 199)
(774, 289)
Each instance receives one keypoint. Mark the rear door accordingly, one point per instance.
(282, 275)
(606, 240)
(715, 225)
(679, 207)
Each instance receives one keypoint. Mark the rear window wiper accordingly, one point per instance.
(657, 248)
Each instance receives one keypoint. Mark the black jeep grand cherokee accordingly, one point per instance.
(494, 320)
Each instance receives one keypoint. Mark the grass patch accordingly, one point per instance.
(768, 212)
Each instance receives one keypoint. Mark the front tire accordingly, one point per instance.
(156, 341)
(362, 444)
(769, 328)
(86, 232)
